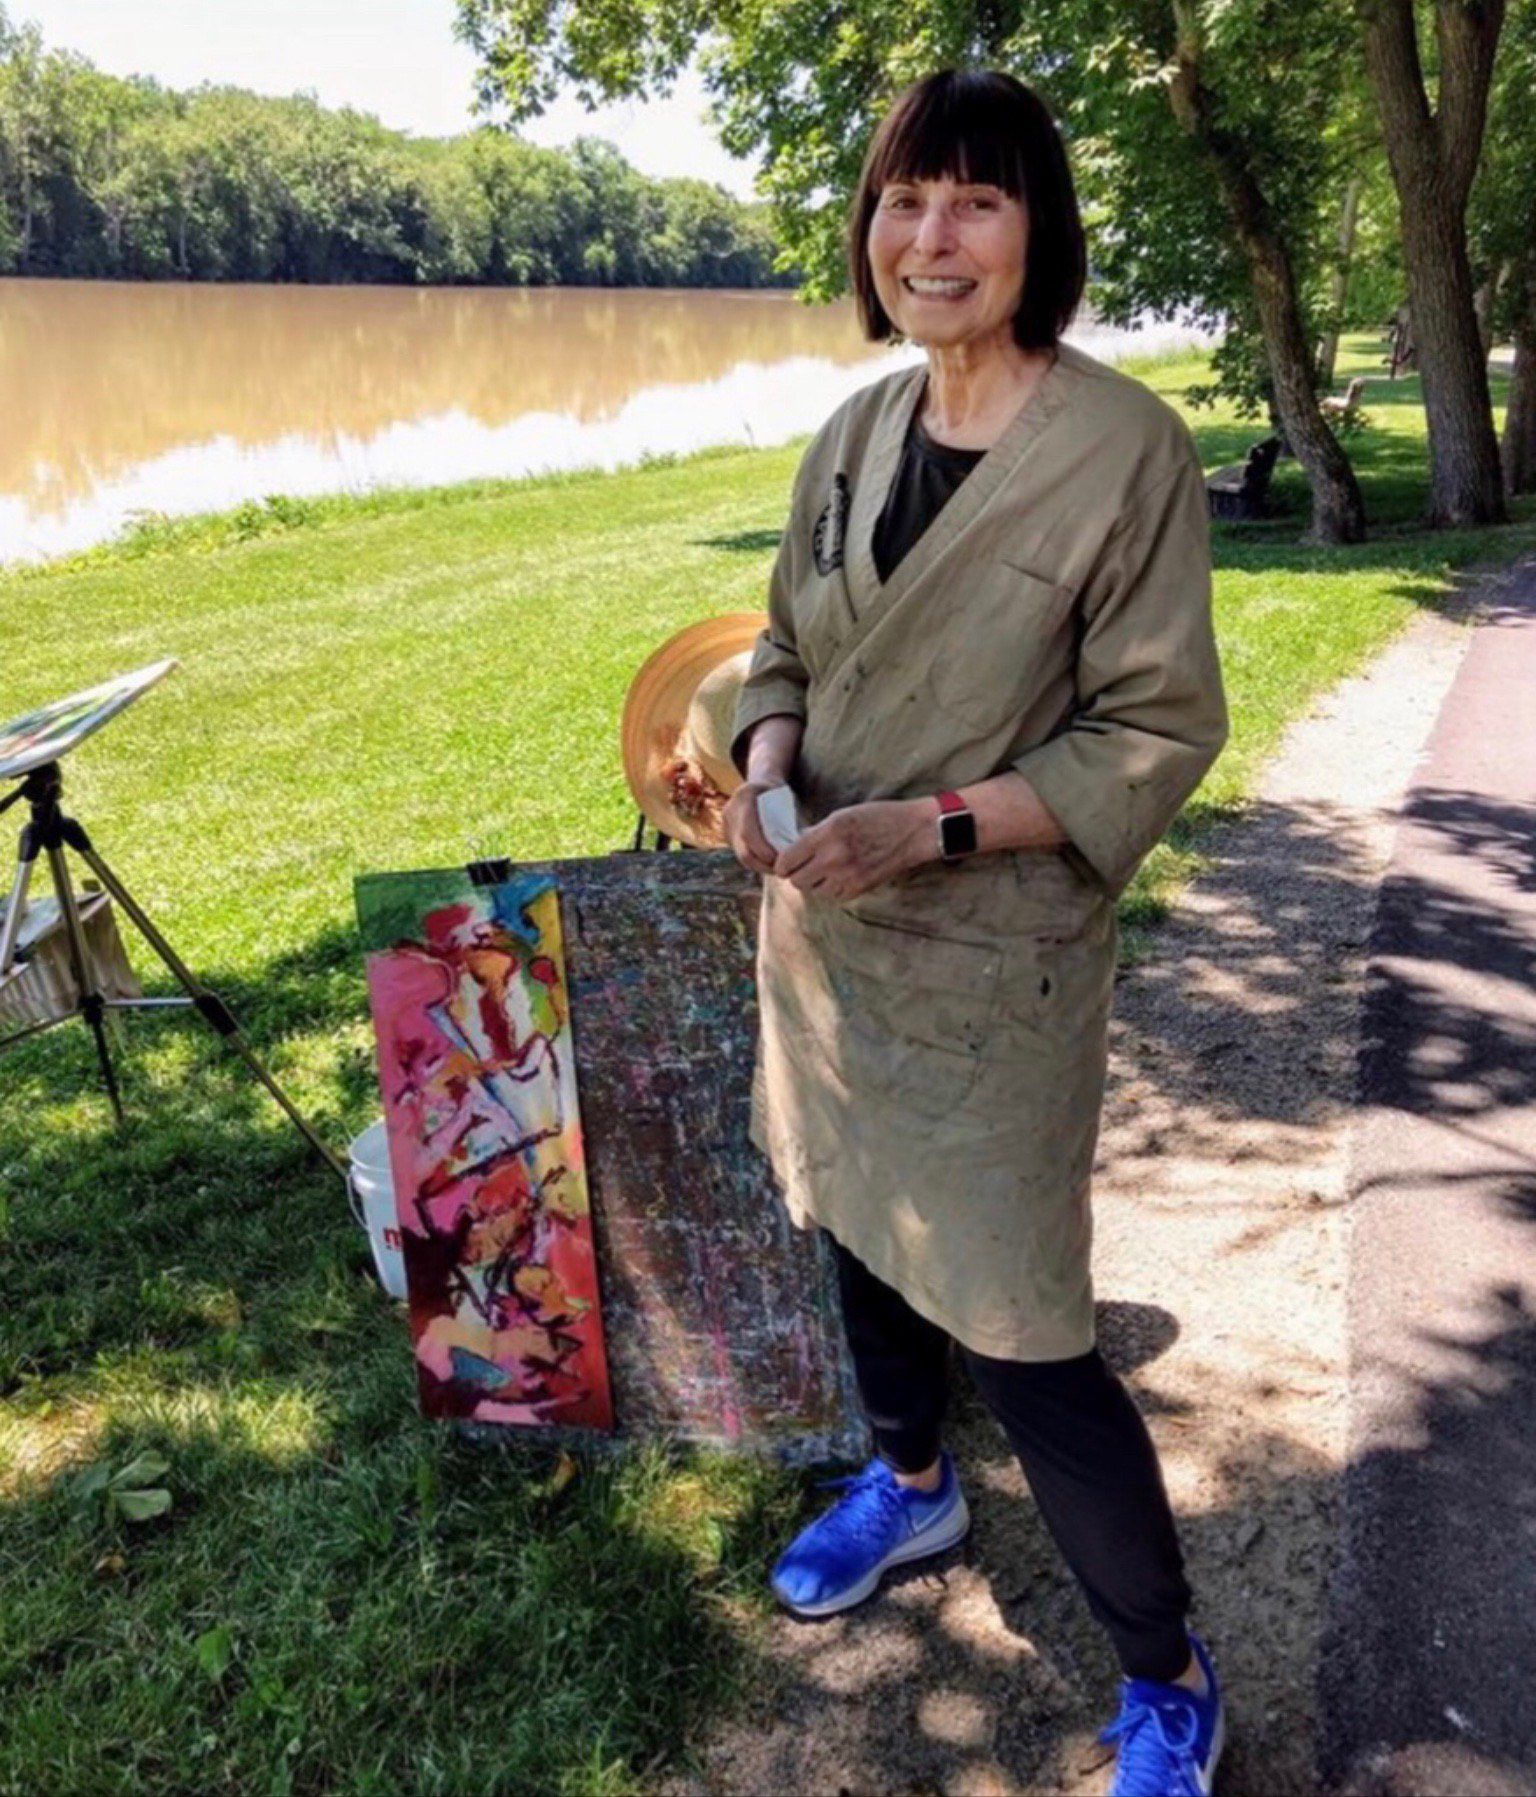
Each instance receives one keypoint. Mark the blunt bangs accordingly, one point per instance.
(947, 131)
(979, 126)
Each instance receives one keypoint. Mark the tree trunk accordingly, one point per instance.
(1520, 418)
(1338, 512)
(1433, 157)
(1328, 349)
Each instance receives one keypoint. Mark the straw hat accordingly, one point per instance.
(676, 733)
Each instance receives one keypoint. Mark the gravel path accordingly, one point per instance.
(1219, 1264)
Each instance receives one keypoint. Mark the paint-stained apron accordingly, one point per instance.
(936, 1076)
(932, 1053)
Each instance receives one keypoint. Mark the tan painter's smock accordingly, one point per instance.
(932, 1053)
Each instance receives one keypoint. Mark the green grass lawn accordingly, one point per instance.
(339, 1594)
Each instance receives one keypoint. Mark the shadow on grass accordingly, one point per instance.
(742, 542)
(1391, 465)
(392, 1607)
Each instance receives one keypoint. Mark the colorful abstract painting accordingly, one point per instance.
(719, 1317)
(471, 1014)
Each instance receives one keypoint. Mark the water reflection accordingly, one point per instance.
(120, 397)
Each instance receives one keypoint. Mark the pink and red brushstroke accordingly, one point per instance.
(478, 1072)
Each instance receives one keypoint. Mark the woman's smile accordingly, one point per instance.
(935, 287)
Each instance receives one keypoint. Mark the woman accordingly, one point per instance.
(989, 675)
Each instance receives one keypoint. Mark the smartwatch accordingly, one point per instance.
(957, 829)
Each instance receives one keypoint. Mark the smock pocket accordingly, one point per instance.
(912, 1012)
(995, 644)
(1056, 989)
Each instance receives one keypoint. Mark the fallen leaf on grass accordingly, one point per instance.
(215, 1650)
(143, 1469)
(140, 1506)
(129, 1492)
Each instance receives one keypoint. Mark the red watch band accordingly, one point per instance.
(951, 801)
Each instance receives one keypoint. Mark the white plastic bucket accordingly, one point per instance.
(372, 1193)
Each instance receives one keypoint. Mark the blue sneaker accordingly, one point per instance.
(1170, 1738)
(840, 1558)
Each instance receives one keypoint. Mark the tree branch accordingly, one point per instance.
(1468, 33)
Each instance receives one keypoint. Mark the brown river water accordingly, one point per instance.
(120, 399)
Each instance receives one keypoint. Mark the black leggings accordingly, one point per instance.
(1082, 1443)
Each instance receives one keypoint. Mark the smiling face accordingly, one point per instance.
(947, 258)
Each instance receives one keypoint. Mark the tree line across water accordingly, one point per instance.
(102, 176)
(1281, 170)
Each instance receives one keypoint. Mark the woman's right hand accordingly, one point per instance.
(743, 829)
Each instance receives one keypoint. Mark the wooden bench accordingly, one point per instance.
(1241, 490)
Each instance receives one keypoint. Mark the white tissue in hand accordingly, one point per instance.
(778, 815)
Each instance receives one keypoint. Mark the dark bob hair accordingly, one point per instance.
(984, 126)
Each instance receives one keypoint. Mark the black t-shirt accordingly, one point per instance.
(926, 479)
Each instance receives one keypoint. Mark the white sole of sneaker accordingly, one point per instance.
(1218, 1738)
(952, 1531)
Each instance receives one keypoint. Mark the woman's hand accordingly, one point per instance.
(859, 847)
(743, 831)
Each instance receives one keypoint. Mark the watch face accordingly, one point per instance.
(957, 833)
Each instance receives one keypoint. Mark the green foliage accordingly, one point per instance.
(215, 1649)
(1239, 377)
(101, 176)
(129, 1493)
(1377, 282)
(1501, 220)
(804, 84)
(1282, 108)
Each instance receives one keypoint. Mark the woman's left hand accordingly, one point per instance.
(860, 846)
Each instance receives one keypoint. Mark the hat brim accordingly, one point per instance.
(657, 708)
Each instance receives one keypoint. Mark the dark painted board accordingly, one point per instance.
(720, 1318)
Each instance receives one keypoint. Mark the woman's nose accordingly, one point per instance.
(935, 229)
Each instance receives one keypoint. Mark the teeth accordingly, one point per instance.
(920, 284)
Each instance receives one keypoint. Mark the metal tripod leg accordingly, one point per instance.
(92, 1007)
(212, 1007)
(26, 860)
